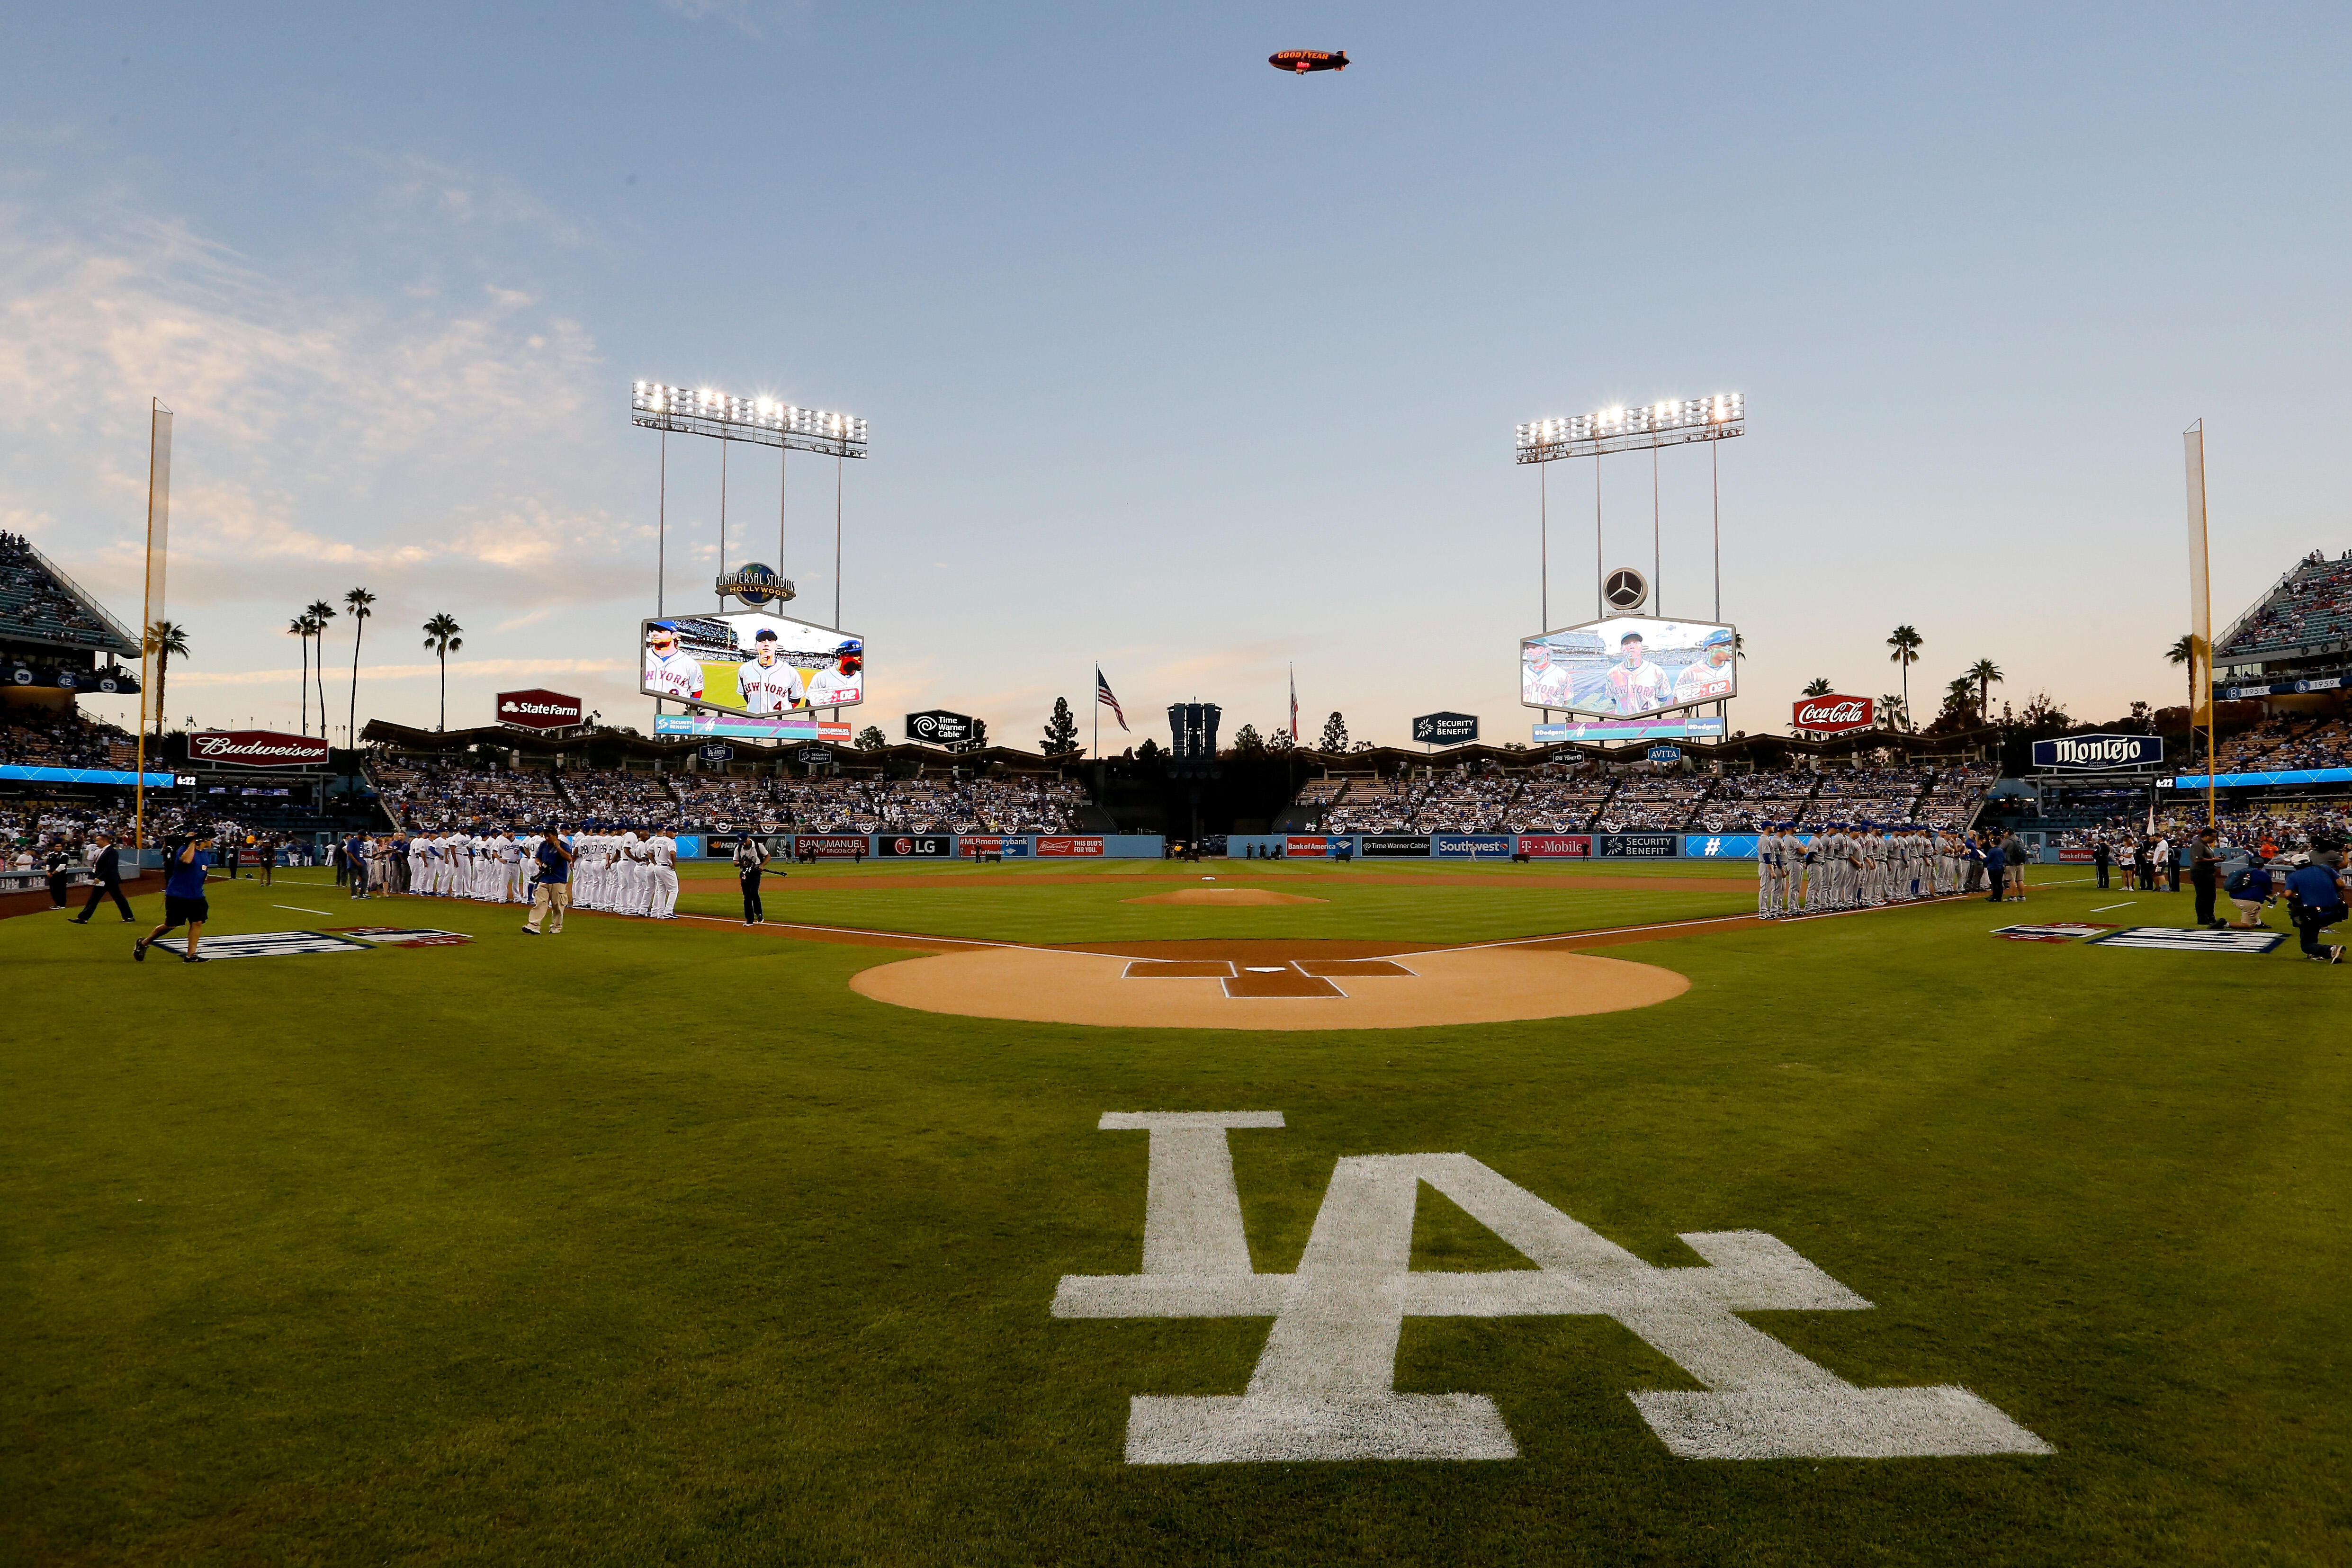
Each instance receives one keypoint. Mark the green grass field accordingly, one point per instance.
(657, 1244)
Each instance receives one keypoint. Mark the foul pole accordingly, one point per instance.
(2200, 613)
(152, 600)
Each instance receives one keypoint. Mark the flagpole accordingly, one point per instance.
(1097, 705)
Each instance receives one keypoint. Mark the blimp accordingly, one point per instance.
(1301, 61)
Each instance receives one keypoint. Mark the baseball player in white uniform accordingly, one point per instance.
(843, 683)
(1710, 678)
(765, 683)
(1768, 874)
(661, 865)
(670, 670)
(1636, 684)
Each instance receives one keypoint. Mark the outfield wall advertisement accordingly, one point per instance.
(750, 664)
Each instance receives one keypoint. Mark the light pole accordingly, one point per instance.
(761, 421)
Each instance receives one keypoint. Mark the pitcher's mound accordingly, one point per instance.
(1230, 898)
(1462, 985)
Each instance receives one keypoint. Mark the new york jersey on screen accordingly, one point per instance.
(827, 687)
(674, 675)
(768, 688)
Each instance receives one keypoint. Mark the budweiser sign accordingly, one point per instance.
(255, 748)
(1833, 713)
(538, 710)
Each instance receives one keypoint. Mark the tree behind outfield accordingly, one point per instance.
(1061, 730)
(1246, 742)
(1335, 733)
(871, 738)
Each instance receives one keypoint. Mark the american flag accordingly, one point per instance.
(1104, 698)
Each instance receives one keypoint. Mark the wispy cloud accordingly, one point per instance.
(458, 669)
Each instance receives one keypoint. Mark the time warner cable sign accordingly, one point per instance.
(2080, 752)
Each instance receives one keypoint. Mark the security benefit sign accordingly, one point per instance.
(1325, 1384)
(2083, 753)
(1445, 728)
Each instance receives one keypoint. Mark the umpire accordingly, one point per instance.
(106, 872)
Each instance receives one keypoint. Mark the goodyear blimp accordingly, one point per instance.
(1301, 61)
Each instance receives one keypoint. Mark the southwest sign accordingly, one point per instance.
(255, 748)
(537, 709)
(1830, 714)
(1445, 728)
(2098, 751)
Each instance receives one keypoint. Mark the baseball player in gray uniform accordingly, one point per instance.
(1768, 874)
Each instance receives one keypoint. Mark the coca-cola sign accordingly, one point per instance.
(1830, 712)
(538, 710)
(255, 748)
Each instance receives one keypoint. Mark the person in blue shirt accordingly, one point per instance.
(355, 857)
(1996, 864)
(2317, 900)
(185, 903)
(553, 891)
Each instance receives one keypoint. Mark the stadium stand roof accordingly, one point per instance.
(40, 604)
(2306, 611)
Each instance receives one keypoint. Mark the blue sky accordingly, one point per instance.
(1173, 360)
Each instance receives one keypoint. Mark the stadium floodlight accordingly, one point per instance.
(763, 421)
(1668, 423)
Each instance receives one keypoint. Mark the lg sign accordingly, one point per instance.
(255, 748)
(538, 710)
(1833, 713)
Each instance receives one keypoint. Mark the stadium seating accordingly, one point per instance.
(64, 739)
(38, 602)
(2311, 604)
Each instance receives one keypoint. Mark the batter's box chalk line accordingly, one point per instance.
(1325, 1386)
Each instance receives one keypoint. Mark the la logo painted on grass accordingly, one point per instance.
(1325, 1385)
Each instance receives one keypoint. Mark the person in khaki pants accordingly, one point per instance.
(553, 887)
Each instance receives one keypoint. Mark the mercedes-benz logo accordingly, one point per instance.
(1625, 588)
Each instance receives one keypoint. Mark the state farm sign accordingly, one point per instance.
(538, 710)
(255, 748)
(1833, 713)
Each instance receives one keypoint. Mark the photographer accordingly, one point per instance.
(2316, 897)
(186, 863)
(750, 861)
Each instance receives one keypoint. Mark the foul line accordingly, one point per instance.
(2126, 903)
(300, 910)
(916, 937)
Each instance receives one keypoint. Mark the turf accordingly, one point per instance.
(657, 1244)
(1369, 901)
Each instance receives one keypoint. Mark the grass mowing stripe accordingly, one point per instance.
(630, 1248)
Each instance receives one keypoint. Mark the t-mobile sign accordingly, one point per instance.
(538, 710)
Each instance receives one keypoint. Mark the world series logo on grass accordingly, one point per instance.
(1325, 1386)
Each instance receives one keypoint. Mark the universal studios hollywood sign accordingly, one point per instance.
(2098, 751)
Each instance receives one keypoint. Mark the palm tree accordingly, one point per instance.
(1819, 687)
(1961, 693)
(2183, 652)
(1906, 643)
(301, 627)
(1986, 675)
(320, 613)
(165, 638)
(357, 602)
(441, 637)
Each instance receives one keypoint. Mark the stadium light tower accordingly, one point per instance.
(1659, 424)
(761, 421)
